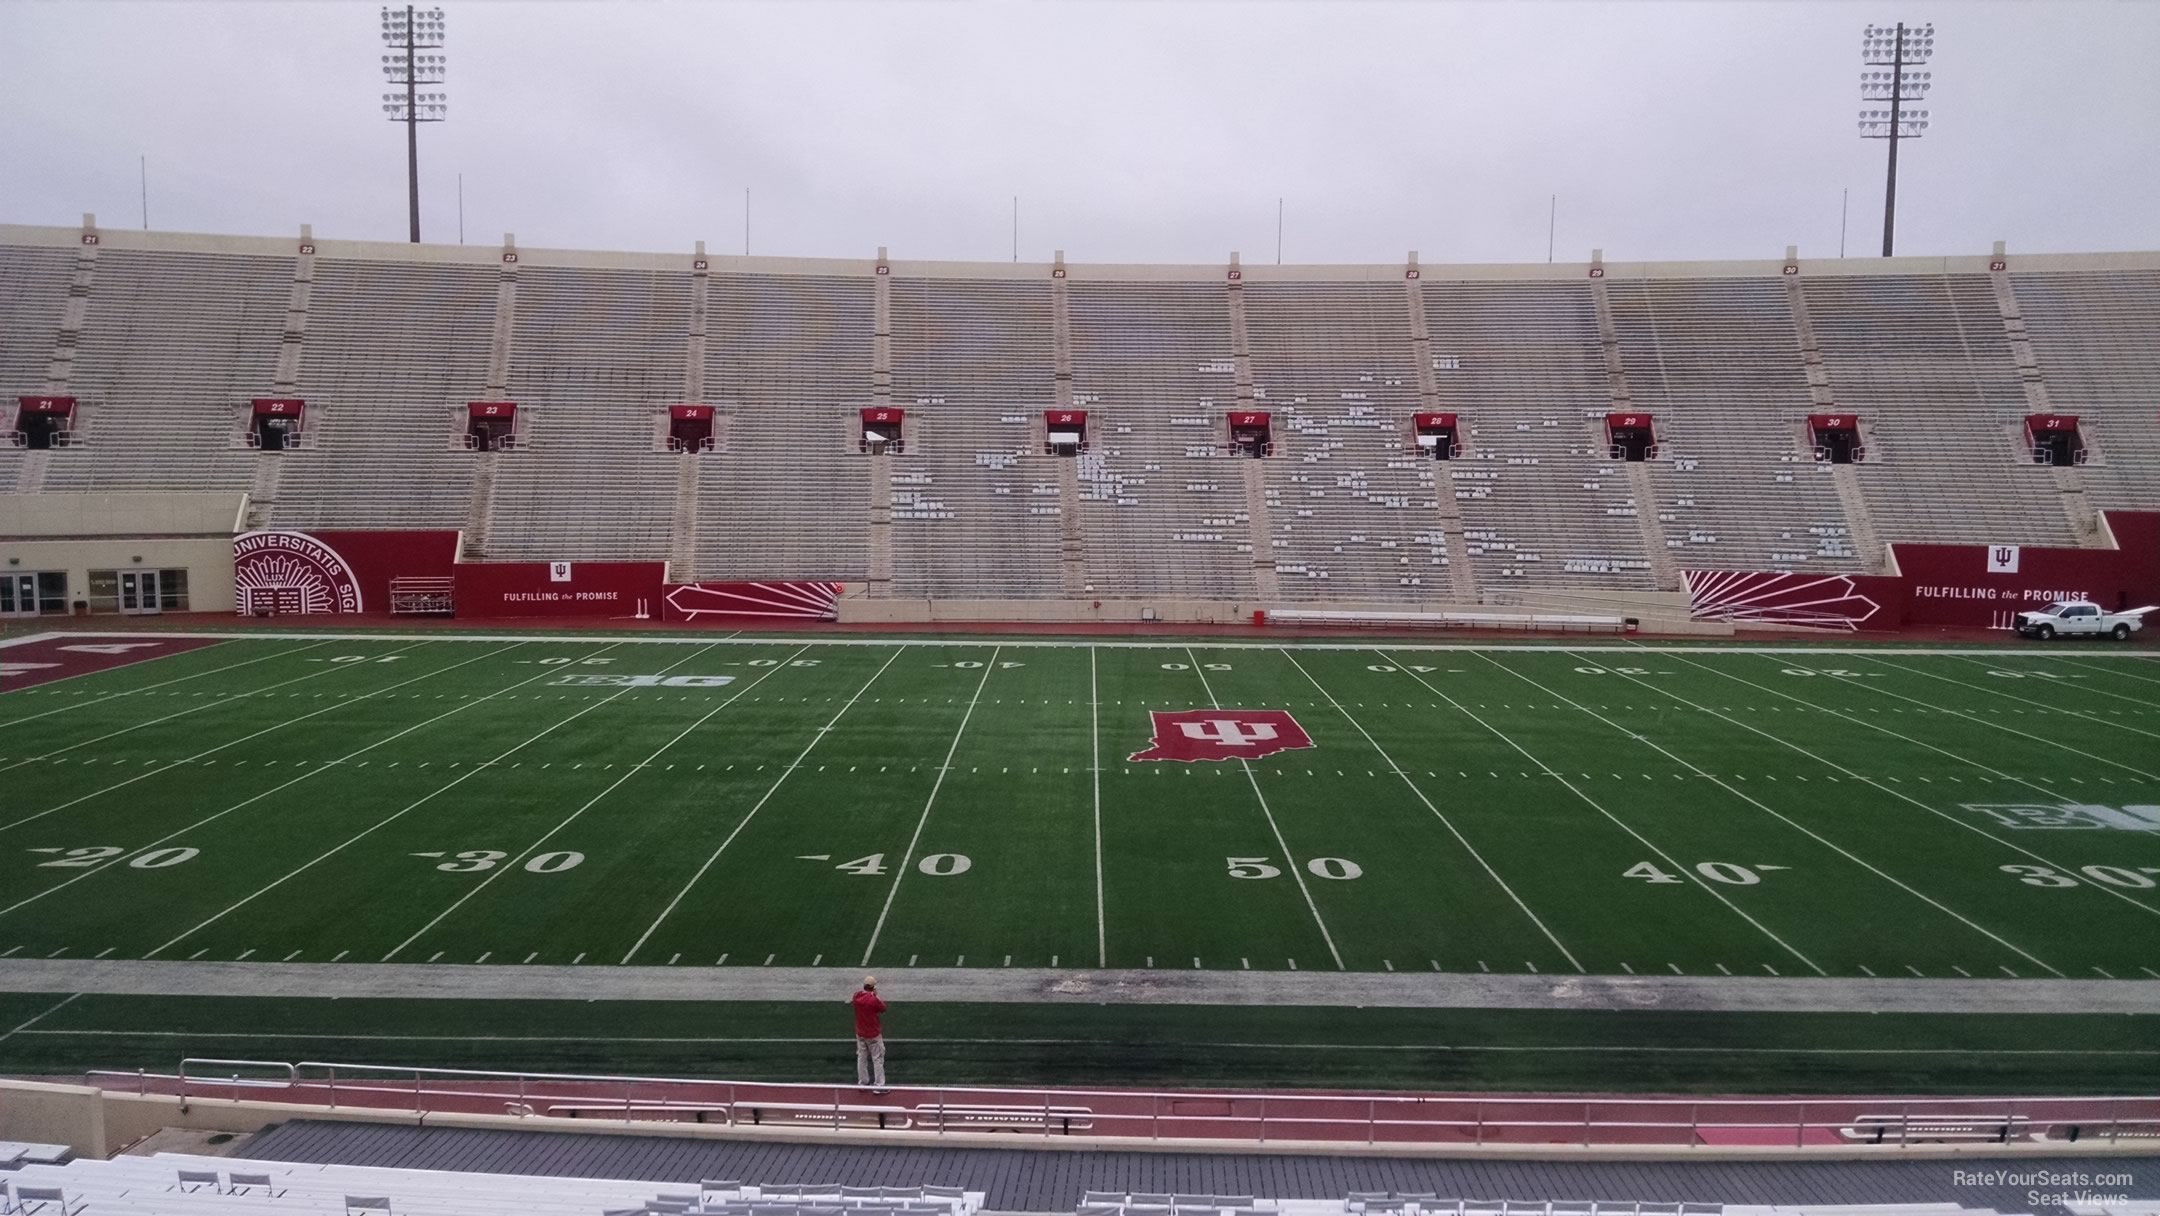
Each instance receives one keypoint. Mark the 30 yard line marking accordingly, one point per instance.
(1290, 861)
(275, 726)
(1810, 833)
(1940, 814)
(1102, 943)
(770, 790)
(594, 801)
(1699, 882)
(316, 771)
(908, 857)
(1460, 839)
(160, 684)
(239, 698)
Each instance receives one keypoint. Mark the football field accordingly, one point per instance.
(693, 801)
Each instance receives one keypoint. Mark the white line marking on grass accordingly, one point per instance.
(2093, 689)
(150, 687)
(1102, 945)
(2126, 674)
(1811, 834)
(1290, 861)
(63, 1003)
(1999, 726)
(195, 709)
(251, 800)
(770, 790)
(275, 726)
(1697, 880)
(1974, 828)
(1460, 839)
(629, 772)
(908, 858)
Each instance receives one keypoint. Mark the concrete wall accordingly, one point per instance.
(1659, 612)
(207, 560)
(52, 516)
(79, 533)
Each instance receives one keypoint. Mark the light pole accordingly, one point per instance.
(1896, 48)
(407, 33)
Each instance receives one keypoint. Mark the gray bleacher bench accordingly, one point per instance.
(696, 1110)
(817, 1114)
(1934, 1129)
(44, 1201)
(1062, 1119)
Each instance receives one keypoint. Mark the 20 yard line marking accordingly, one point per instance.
(595, 800)
(1460, 839)
(908, 857)
(318, 770)
(770, 790)
(1102, 946)
(1810, 833)
(1699, 882)
(1289, 859)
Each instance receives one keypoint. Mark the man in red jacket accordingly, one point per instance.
(869, 1037)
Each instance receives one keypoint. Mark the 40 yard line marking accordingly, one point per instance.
(770, 790)
(594, 801)
(1856, 859)
(1476, 856)
(160, 684)
(1699, 882)
(1290, 861)
(920, 824)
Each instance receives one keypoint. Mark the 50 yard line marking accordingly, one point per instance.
(1102, 947)
(1491, 873)
(278, 654)
(1290, 861)
(909, 856)
(594, 801)
(1697, 880)
(1810, 833)
(770, 790)
(313, 772)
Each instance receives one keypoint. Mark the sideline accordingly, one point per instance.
(1027, 985)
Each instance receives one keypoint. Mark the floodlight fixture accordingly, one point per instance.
(1896, 48)
(413, 37)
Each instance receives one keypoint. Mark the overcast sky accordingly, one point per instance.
(1157, 132)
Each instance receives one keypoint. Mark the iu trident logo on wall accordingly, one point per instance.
(1188, 735)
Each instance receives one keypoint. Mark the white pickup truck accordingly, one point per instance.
(2069, 618)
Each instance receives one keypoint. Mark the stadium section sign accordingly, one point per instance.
(1190, 735)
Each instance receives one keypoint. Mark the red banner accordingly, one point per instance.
(46, 405)
(1249, 418)
(883, 416)
(1616, 422)
(279, 407)
(491, 409)
(794, 601)
(1832, 422)
(281, 570)
(1421, 421)
(1065, 417)
(689, 413)
(2037, 423)
(541, 589)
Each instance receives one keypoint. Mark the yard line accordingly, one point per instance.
(1469, 848)
(313, 772)
(1885, 875)
(162, 683)
(774, 788)
(1997, 692)
(901, 873)
(64, 1002)
(1983, 721)
(1595, 805)
(1290, 861)
(1970, 827)
(222, 701)
(628, 773)
(1102, 946)
(279, 725)
(2125, 674)
(2080, 687)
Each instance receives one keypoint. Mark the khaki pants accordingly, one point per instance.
(870, 1062)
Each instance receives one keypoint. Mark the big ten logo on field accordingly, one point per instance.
(2073, 816)
(1222, 734)
(619, 681)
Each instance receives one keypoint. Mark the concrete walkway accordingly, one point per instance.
(1030, 985)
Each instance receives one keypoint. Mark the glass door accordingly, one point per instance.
(18, 595)
(138, 591)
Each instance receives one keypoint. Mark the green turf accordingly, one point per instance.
(1125, 1045)
(441, 800)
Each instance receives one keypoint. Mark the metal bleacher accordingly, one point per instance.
(2097, 335)
(975, 503)
(33, 289)
(1542, 504)
(1924, 361)
(596, 358)
(1162, 502)
(1717, 363)
(1351, 507)
(393, 354)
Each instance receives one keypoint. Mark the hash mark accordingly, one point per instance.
(1626, 968)
(341, 956)
(579, 959)
(530, 957)
(1480, 966)
(483, 956)
(1915, 970)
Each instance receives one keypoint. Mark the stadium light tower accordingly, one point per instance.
(1895, 48)
(413, 37)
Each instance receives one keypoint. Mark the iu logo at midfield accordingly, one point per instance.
(1187, 735)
